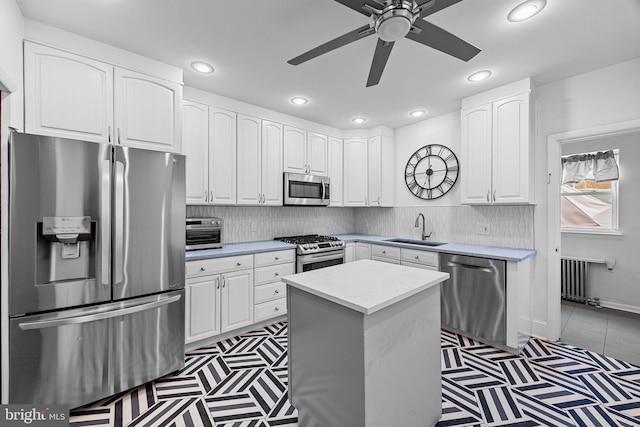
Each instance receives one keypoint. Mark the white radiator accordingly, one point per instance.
(575, 278)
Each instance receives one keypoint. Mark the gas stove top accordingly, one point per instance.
(314, 243)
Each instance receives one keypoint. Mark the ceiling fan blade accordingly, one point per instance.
(437, 6)
(358, 5)
(343, 40)
(437, 38)
(383, 50)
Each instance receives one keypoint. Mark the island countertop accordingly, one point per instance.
(365, 286)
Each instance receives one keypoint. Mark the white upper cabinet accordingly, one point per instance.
(336, 155)
(497, 156)
(355, 172)
(147, 111)
(67, 95)
(259, 161)
(71, 96)
(222, 157)
(305, 152)
(272, 137)
(368, 171)
(195, 140)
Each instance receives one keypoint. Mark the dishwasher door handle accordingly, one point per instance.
(469, 266)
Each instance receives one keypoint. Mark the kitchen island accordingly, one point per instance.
(364, 345)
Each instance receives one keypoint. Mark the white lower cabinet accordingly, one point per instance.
(363, 251)
(270, 292)
(219, 296)
(390, 254)
(419, 259)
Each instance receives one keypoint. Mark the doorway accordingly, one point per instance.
(560, 315)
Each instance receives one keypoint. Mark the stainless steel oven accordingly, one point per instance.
(204, 233)
(314, 251)
(306, 190)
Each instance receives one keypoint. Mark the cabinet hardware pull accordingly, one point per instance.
(224, 282)
(417, 257)
(238, 264)
(494, 195)
(211, 196)
(109, 134)
(277, 309)
(277, 274)
(206, 196)
(277, 258)
(378, 199)
(384, 252)
(217, 283)
(277, 292)
(203, 269)
(119, 142)
(488, 191)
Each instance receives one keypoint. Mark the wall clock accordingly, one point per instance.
(431, 171)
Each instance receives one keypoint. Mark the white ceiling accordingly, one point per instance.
(249, 43)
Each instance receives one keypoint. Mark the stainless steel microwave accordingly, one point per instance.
(306, 190)
(204, 233)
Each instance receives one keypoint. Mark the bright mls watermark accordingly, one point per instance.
(36, 415)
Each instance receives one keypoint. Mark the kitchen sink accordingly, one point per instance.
(415, 242)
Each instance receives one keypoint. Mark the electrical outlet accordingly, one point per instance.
(483, 228)
(254, 228)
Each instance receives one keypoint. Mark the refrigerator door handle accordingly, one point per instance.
(118, 223)
(105, 212)
(92, 317)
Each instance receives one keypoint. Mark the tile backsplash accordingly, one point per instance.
(509, 226)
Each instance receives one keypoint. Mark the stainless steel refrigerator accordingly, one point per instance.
(96, 268)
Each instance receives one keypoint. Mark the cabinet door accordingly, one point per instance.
(476, 153)
(237, 300)
(67, 95)
(295, 150)
(222, 157)
(374, 172)
(249, 160)
(272, 135)
(335, 171)
(148, 111)
(202, 313)
(349, 252)
(195, 140)
(317, 154)
(355, 172)
(363, 251)
(511, 150)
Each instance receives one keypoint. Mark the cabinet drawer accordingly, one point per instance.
(387, 260)
(269, 292)
(385, 251)
(422, 266)
(218, 265)
(269, 309)
(420, 257)
(277, 257)
(273, 273)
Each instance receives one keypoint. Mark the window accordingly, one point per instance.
(589, 193)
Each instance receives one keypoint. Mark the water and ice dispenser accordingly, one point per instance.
(66, 249)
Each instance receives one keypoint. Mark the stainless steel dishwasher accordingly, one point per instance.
(473, 299)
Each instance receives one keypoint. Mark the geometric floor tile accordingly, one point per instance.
(242, 382)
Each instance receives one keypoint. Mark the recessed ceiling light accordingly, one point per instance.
(202, 67)
(298, 100)
(417, 113)
(358, 120)
(526, 10)
(479, 76)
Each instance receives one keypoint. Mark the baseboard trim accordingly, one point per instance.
(621, 307)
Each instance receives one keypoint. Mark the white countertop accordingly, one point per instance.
(365, 286)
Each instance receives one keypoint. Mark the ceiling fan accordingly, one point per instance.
(391, 21)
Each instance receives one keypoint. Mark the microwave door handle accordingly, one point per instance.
(323, 189)
(92, 317)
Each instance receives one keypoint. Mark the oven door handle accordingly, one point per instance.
(321, 256)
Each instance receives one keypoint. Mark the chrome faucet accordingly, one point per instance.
(425, 236)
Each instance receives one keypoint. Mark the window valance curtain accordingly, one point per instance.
(599, 167)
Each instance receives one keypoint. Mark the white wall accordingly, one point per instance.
(443, 130)
(600, 97)
(617, 288)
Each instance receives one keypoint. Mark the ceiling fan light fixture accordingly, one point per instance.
(359, 120)
(417, 113)
(395, 22)
(526, 10)
(299, 100)
(479, 76)
(202, 67)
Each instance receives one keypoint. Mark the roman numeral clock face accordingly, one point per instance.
(431, 171)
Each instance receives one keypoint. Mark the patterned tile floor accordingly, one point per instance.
(242, 382)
